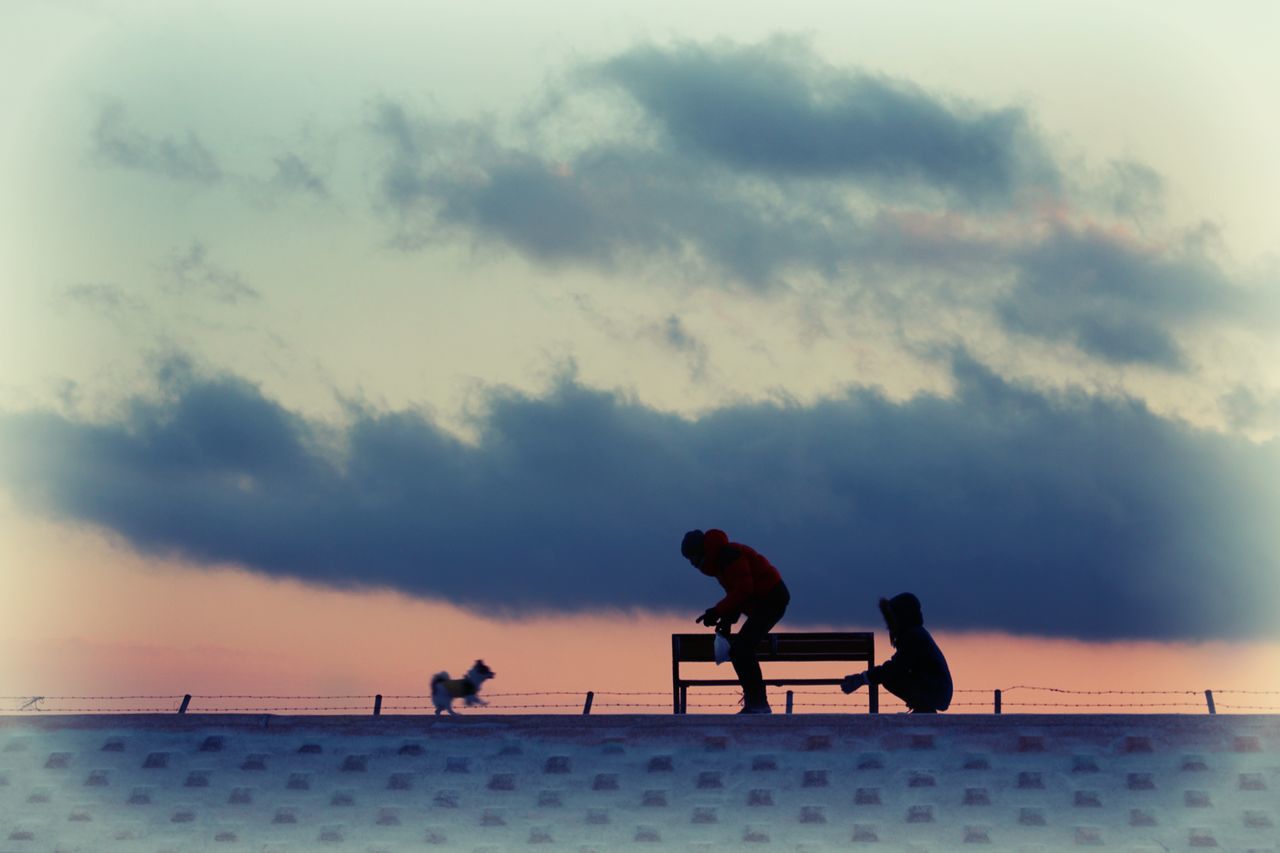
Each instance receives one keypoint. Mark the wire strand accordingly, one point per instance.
(1103, 705)
(87, 698)
(1103, 692)
(244, 696)
(211, 703)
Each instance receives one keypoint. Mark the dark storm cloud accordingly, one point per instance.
(1002, 507)
(775, 109)
(117, 142)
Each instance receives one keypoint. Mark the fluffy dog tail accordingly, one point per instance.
(439, 677)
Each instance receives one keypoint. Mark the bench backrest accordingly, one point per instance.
(792, 646)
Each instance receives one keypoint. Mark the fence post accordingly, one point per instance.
(677, 694)
(377, 705)
(186, 700)
(790, 698)
(998, 698)
(1208, 697)
(586, 709)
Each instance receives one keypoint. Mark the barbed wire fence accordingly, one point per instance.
(1038, 699)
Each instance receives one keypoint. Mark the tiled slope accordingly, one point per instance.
(813, 782)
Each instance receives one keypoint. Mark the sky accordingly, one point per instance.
(441, 326)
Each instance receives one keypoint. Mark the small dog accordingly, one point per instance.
(445, 689)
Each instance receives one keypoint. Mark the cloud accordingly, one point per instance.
(608, 206)
(1247, 409)
(673, 334)
(669, 333)
(1136, 190)
(762, 167)
(293, 174)
(696, 194)
(1117, 298)
(1001, 506)
(102, 298)
(613, 206)
(775, 109)
(118, 143)
(191, 270)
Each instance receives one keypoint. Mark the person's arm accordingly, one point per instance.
(736, 580)
(908, 657)
(873, 675)
(852, 682)
(887, 670)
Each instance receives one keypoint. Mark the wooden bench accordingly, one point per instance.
(841, 646)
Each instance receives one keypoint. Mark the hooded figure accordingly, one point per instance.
(753, 587)
(917, 673)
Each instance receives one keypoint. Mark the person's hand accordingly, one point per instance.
(709, 618)
(851, 683)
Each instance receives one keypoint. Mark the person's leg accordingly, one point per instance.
(896, 686)
(906, 689)
(742, 646)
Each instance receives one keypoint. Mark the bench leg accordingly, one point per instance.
(873, 699)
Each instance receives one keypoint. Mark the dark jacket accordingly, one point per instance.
(745, 574)
(918, 671)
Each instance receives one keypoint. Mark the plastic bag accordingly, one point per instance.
(722, 648)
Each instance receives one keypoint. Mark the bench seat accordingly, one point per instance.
(837, 646)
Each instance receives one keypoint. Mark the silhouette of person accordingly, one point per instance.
(753, 587)
(917, 673)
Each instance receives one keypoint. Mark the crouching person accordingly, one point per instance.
(917, 673)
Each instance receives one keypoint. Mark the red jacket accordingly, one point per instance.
(745, 574)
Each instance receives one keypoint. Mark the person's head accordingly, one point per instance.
(692, 547)
(900, 613)
(703, 549)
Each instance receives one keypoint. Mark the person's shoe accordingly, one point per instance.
(762, 708)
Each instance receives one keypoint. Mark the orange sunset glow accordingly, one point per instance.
(214, 632)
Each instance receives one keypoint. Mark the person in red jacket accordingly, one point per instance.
(752, 587)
